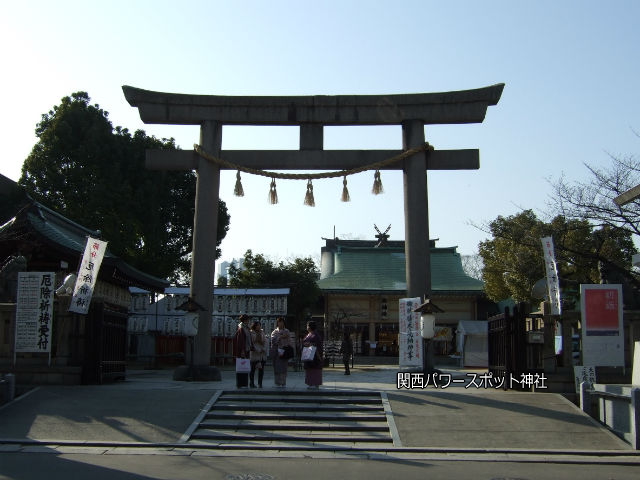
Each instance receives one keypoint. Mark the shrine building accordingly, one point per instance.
(362, 281)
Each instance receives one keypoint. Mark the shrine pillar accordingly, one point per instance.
(205, 228)
(416, 213)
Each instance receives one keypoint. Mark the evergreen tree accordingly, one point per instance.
(95, 174)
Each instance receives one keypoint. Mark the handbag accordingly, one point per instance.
(308, 353)
(287, 352)
(243, 365)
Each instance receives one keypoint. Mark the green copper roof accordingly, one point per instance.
(67, 236)
(60, 229)
(357, 268)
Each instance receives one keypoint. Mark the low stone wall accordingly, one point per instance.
(43, 375)
(7, 388)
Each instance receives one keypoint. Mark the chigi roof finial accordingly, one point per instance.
(382, 237)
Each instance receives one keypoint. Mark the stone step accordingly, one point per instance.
(369, 400)
(309, 407)
(296, 435)
(290, 444)
(305, 393)
(276, 419)
(282, 416)
(289, 425)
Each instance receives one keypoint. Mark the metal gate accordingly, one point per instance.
(515, 345)
(105, 344)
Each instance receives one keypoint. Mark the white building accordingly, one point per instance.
(156, 327)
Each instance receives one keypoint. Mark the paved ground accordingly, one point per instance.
(150, 407)
(136, 430)
(249, 466)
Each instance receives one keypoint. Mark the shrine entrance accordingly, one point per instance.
(311, 113)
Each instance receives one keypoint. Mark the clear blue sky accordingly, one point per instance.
(571, 71)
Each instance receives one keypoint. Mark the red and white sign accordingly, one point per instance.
(602, 332)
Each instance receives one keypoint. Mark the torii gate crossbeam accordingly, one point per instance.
(311, 114)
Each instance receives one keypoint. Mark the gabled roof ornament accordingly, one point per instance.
(382, 237)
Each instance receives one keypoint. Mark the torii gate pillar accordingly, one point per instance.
(416, 214)
(205, 228)
(311, 114)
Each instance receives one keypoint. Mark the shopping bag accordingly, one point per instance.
(308, 353)
(243, 365)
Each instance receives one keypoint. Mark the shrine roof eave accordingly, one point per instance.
(113, 270)
(362, 291)
(454, 107)
(68, 239)
(434, 292)
(128, 275)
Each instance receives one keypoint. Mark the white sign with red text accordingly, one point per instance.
(602, 329)
(87, 275)
(409, 340)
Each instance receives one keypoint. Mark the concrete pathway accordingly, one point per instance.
(150, 413)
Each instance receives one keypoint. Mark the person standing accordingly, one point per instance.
(280, 338)
(242, 348)
(258, 354)
(313, 368)
(346, 349)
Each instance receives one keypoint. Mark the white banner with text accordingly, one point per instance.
(87, 275)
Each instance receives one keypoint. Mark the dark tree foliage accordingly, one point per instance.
(514, 260)
(95, 174)
(300, 275)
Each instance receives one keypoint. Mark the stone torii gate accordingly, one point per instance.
(311, 114)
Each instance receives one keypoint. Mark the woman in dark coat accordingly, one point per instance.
(313, 368)
(280, 338)
(242, 348)
(346, 349)
(258, 354)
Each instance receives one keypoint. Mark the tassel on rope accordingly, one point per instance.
(238, 191)
(308, 198)
(273, 194)
(345, 191)
(377, 184)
